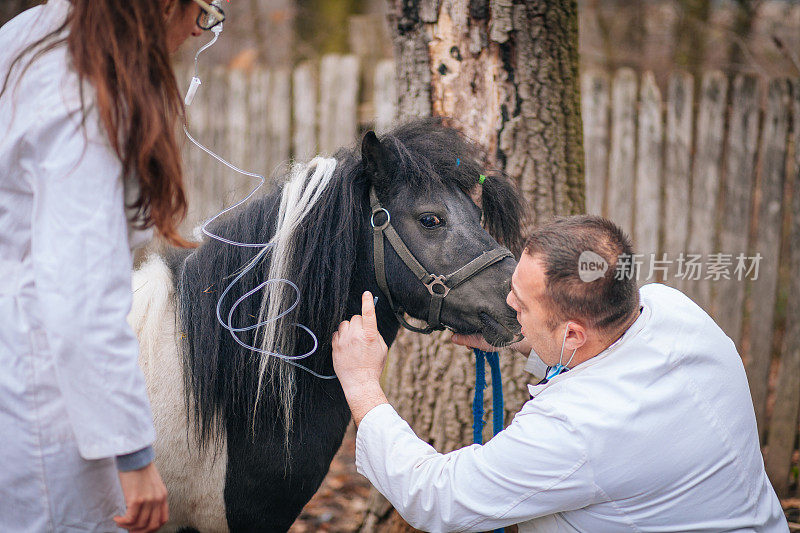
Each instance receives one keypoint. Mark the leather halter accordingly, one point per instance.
(438, 285)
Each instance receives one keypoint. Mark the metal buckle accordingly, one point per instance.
(437, 281)
(385, 224)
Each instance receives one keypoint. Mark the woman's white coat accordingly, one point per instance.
(71, 393)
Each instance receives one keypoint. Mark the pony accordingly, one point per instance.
(245, 438)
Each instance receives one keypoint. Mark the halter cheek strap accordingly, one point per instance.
(438, 285)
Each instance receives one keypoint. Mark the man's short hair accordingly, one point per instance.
(566, 246)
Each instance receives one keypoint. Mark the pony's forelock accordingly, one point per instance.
(429, 154)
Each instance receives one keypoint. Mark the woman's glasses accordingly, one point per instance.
(211, 15)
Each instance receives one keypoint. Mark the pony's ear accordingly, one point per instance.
(378, 161)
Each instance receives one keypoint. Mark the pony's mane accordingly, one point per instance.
(316, 221)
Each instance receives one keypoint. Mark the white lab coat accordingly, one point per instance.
(656, 433)
(71, 393)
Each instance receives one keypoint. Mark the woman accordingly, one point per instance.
(88, 162)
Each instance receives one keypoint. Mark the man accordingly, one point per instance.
(643, 422)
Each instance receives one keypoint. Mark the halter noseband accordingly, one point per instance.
(438, 285)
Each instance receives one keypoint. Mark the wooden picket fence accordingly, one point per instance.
(711, 176)
(707, 185)
(263, 120)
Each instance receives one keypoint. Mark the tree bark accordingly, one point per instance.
(505, 72)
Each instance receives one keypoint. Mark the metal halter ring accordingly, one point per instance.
(437, 281)
(372, 218)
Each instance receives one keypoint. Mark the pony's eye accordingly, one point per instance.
(430, 221)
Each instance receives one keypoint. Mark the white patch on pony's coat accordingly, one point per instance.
(195, 480)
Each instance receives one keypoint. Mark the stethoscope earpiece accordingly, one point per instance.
(560, 367)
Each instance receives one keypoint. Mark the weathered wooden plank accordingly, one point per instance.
(649, 167)
(195, 120)
(677, 165)
(706, 173)
(385, 96)
(239, 143)
(280, 119)
(783, 423)
(338, 102)
(367, 34)
(595, 104)
(258, 97)
(328, 80)
(347, 109)
(215, 176)
(767, 244)
(304, 138)
(740, 175)
(623, 147)
(238, 118)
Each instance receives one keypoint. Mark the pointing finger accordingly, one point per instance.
(368, 312)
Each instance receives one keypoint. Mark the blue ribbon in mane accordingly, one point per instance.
(497, 396)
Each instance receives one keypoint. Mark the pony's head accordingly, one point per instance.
(427, 178)
(448, 210)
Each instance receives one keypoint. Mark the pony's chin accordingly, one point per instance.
(498, 334)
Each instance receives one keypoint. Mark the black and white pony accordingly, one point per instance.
(244, 438)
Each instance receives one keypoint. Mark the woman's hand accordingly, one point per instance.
(359, 354)
(145, 499)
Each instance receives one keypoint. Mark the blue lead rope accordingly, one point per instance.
(497, 396)
(477, 402)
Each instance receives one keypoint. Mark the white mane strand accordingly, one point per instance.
(299, 196)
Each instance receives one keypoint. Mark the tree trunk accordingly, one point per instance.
(506, 73)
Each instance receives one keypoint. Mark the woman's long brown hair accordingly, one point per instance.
(121, 49)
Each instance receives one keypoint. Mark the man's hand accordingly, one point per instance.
(359, 354)
(476, 341)
(145, 499)
(473, 341)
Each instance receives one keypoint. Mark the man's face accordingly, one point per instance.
(527, 298)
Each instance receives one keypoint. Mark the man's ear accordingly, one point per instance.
(576, 337)
(379, 163)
